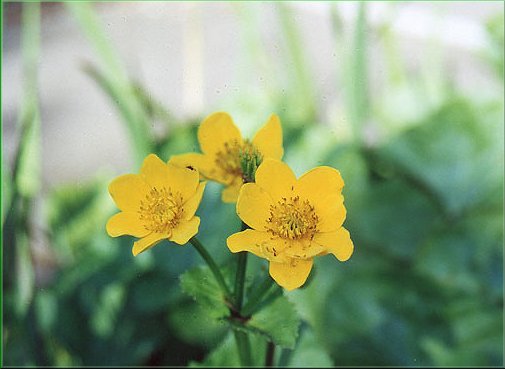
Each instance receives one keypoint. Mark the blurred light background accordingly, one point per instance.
(405, 98)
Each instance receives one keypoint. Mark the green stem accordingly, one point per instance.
(242, 339)
(257, 296)
(240, 276)
(269, 358)
(244, 347)
(212, 265)
(239, 279)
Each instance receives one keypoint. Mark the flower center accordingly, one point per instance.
(161, 210)
(292, 219)
(229, 160)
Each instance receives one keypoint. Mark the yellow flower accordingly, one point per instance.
(292, 221)
(222, 146)
(157, 204)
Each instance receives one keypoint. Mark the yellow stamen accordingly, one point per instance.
(161, 210)
(228, 160)
(292, 219)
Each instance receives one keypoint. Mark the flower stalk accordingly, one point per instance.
(269, 357)
(240, 280)
(240, 277)
(244, 347)
(212, 265)
(256, 298)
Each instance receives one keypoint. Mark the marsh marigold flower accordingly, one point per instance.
(224, 149)
(292, 221)
(157, 204)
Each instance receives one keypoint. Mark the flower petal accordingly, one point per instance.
(261, 244)
(199, 161)
(183, 180)
(319, 183)
(185, 230)
(339, 243)
(322, 186)
(268, 140)
(215, 130)
(276, 178)
(253, 206)
(303, 249)
(127, 191)
(332, 214)
(126, 223)
(155, 171)
(147, 242)
(292, 274)
(192, 204)
(231, 192)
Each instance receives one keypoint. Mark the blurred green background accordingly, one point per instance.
(420, 148)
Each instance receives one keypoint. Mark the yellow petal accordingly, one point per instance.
(230, 192)
(127, 191)
(192, 204)
(155, 172)
(126, 223)
(322, 186)
(339, 243)
(292, 274)
(261, 244)
(183, 180)
(319, 183)
(268, 140)
(253, 206)
(185, 230)
(276, 178)
(248, 240)
(203, 163)
(303, 249)
(147, 242)
(178, 179)
(215, 130)
(332, 214)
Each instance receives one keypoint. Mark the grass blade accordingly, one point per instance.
(304, 95)
(358, 83)
(115, 81)
(27, 162)
(354, 69)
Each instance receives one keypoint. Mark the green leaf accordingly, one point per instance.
(495, 29)
(108, 306)
(46, 308)
(392, 202)
(447, 258)
(476, 324)
(191, 321)
(7, 191)
(457, 154)
(201, 284)
(486, 355)
(278, 322)
(28, 165)
(309, 352)
(25, 274)
(147, 302)
(76, 214)
(226, 353)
